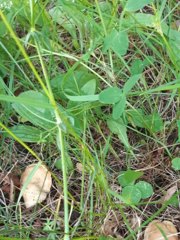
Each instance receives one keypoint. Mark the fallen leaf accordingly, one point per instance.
(168, 194)
(79, 167)
(38, 187)
(10, 183)
(37, 223)
(156, 229)
(111, 224)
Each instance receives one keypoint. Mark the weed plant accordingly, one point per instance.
(91, 90)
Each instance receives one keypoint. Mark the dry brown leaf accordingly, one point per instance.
(38, 187)
(169, 194)
(111, 224)
(79, 167)
(154, 229)
(10, 183)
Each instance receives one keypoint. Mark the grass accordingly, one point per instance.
(57, 59)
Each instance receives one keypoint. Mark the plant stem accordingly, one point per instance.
(62, 146)
(65, 184)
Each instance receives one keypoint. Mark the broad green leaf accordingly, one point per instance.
(90, 87)
(149, 60)
(130, 83)
(131, 195)
(84, 98)
(175, 201)
(171, 33)
(173, 38)
(134, 5)
(110, 95)
(178, 125)
(58, 164)
(136, 117)
(117, 41)
(119, 107)
(28, 134)
(144, 19)
(119, 128)
(137, 67)
(69, 164)
(145, 189)
(105, 7)
(139, 20)
(129, 177)
(120, 43)
(72, 83)
(176, 164)
(38, 116)
(21, 99)
(153, 122)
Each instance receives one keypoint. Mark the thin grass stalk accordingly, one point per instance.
(62, 146)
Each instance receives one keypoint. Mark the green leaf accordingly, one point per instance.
(175, 201)
(117, 41)
(103, 238)
(131, 195)
(129, 177)
(119, 107)
(145, 189)
(72, 83)
(84, 98)
(110, 95)
(144, 19)
(130, 83)
(119, 128)
(69, 164)
(2, 86)
(89, 88)
(176, 164)
(28, 134)
(137, 67)
(153, 122)
(38, 116)
(136, 117)
(133, 5)
(22, 99)
(58, 164)
(178, 125)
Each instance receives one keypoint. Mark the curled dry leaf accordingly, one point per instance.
(170, 192)
(156, 229)
(38, 187)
